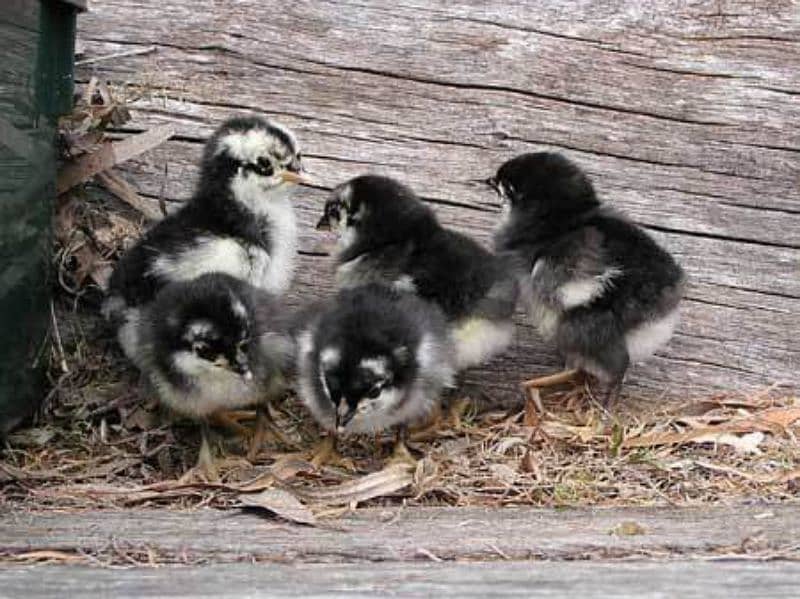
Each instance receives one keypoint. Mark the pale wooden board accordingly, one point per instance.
(686, 116)
(398, 534)
(593, 580)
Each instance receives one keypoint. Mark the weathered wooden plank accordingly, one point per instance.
(683, 114)
(398, 534)
(456, 131)
(592, 580)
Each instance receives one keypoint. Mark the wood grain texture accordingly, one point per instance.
(399, 534)
(686, 115)
(626, 580)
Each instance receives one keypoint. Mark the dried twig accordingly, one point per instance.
(124, 54)
(110, 155)
(57, 338)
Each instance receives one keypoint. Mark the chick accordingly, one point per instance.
(372, 359)
(240, 220)
(595, 283)
(387, 234)
(212, 344)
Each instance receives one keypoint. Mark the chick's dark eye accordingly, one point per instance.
(374, 392)
(205, 352)
(263, 167)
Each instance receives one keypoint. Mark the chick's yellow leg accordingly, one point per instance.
(206, 467)
(401, 455)
(551, 380)
(230, 421)
(533, 400)
(326, 454)
(265, 428)
(440, 420)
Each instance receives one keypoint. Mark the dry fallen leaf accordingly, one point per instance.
(771, 420)
(742, 443)
(384, 482)
(281, 503)
(560, 430)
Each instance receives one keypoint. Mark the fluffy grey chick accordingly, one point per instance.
(595, 283)
(210, 345)
(372, 359)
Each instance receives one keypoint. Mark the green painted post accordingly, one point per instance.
(37, 40)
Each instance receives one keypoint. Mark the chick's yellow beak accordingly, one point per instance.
(295, 178)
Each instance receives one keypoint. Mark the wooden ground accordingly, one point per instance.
(730, 552)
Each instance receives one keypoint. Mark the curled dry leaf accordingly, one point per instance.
(282, 503)
(773, 420)
(388, 481)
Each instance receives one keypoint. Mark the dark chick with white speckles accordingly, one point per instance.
(595, 283)
(374, 358)
(387, 234)
(210, 345)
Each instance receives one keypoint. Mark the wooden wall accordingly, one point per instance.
(685, 113)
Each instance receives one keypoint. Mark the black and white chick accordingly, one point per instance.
(212, 344)
(240, 221)
(387, 234)
(374, 358)
(595, 283)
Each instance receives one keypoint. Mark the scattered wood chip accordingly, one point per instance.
(628, 528)
(282, 503)
(109, 155)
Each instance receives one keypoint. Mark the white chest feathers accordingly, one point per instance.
(206, 254)
(643, 341)
(268, 268)
(211, 388)
(273, 271)
(478, 340)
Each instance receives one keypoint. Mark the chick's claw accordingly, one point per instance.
(206, 468)
(326, 454)
(401, 456)
(266, 428)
